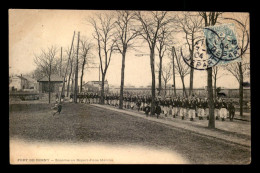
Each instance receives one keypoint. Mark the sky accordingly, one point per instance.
(33, 30)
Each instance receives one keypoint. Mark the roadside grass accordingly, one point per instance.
(82, 123)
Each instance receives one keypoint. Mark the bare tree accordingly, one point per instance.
(191, 25)
(183, 70)
(166, 75)
(85, 57)
(104, 35)
(162, 46)
(239, 69)
(125, 35)
(210, 19)
(150, 23)
(47, 64)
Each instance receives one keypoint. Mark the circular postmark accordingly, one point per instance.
(201, 59)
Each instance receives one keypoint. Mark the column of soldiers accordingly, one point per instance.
(174, 106)
(89, 98)
(178, 106)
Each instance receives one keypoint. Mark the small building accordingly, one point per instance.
(18, 83)
(95, 86)
(32, 83)
(55, 84)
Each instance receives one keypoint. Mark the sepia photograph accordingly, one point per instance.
(129, 87)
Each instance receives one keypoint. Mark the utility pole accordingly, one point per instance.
(76, 73)
(63, 84)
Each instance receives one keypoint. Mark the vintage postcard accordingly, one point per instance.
(129, 87)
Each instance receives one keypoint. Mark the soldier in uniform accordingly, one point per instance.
(138, 103)
(117, 100)
(173, 107)
(206, 105)
(71, 97)
(105, 99)
(98, 98)
(157, 109)
(181, 104)
(231, 110)
(186, 107)
(147, 109)
(196, 100)
(113, 99)
(217, 108)
(223, 110)
(170, 106)
(164, 107)
(199, 108)
(132, 101)
(192, 106)
(178, 106)
(57, 107)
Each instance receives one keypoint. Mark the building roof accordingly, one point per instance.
(54, 78)
(21, 77)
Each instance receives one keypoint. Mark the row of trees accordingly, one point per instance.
(122, 31)
(77, 57)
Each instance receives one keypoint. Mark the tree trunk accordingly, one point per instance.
(191, 80)
(160, 75)
(241, 92)
(215, 87)
(49, 86)
(72, 85)
(183, 87)
(102, 88)
(173, 71)
(165, 88)
(210, 99)
(153, 81)
(191, 69)
(122, 80)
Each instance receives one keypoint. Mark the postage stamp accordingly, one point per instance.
(222, 43)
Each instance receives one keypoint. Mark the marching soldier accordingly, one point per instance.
(181, 104)
(174, 108)
(231, 110)
(223, 110)
(117, 100)
(186, 107)
(178, 106)
(147, 109)
(199, 108)
(138, 103)
(206, 105)
(192, 109)
(217, 108)
(124, 101)
(132, 101)
(157, 109)
(71, 97)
